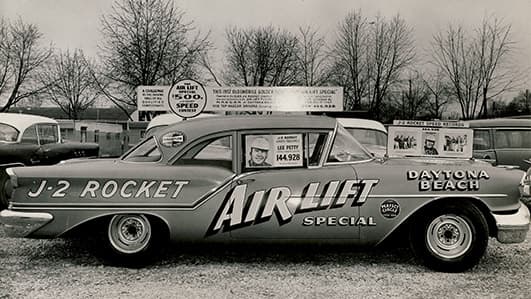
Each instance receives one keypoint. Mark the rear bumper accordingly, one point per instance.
(513, 228)
(21, 224)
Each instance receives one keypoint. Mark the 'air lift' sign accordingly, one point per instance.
(187, 98)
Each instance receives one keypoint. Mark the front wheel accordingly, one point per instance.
(450, 238)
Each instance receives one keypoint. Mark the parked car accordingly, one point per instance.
(34, 140)
(294, 179)
(372, 134)
(503, 141)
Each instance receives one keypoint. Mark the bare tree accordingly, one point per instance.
(147, 42)
(411, 101)
(70, 83)
(20, 58)
(311, 57)
(350, 62)
(440, 97)
(261, 57)
(369, 59)
(477, 65)
(392, 52)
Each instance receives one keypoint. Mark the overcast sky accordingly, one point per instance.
(75, 23)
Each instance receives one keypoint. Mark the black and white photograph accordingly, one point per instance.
(265, 149)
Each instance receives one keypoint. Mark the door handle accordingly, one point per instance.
(244, 181)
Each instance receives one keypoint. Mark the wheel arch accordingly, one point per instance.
(483, 208)
(98, 224)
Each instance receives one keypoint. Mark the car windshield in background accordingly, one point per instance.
(146, 152)
(346, 148)
(8, 133)
(368, 136)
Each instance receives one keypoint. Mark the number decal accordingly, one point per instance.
(61, 190)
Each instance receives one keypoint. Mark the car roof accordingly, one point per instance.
(204, 126)
(500, 122)
(23, 121)
(170, 118)
(361, 123)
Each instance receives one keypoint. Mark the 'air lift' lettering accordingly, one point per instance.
(239, 210)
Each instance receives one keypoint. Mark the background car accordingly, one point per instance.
(503, 141)
(34, 140)
(372, 134)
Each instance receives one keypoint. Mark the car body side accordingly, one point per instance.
(361, 201)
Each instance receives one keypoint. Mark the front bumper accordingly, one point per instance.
(513, 228)
(21, 224)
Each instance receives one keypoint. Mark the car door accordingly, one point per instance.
(290, 198)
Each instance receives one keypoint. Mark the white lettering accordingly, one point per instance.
(91, 188)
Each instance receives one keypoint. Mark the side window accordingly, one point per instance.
(512, 138)
(146, 152)
(482, 140)
(212, 152)
(346, 149)
(263, 151)
(316, 143)
(48, 133)
(30, 135)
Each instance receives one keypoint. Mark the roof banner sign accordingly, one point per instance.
(187, 94)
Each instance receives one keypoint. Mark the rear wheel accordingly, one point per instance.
(132, 240)
(450, 238)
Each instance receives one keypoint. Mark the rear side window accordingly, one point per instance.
(8, 133)
(30, 135)
(48, 133)
(146, 152)
(507, 138)
(213, 152)
(482, 140)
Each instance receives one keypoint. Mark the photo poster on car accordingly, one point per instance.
(273, 150)
(429, 142)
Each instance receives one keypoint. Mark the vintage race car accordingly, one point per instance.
(269, 179)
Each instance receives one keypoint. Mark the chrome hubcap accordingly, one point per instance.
(129, 233)
(449, 236)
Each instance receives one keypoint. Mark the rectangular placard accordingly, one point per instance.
(429, 142)
(269, 151)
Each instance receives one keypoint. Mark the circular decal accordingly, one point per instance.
(390, 209)
(187, 98)
(173, 139)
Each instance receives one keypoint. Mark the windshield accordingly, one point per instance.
(8, 133)
(346, 149)
(368, 136)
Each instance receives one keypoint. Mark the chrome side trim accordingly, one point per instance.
(21, 224)
(113, 206)
(436, 195)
